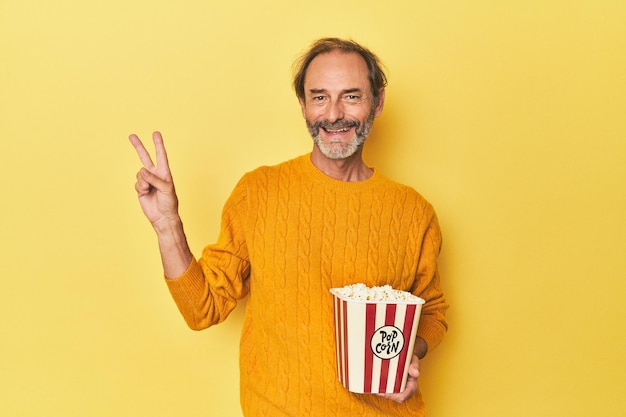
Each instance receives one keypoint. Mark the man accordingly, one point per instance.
(291, 232)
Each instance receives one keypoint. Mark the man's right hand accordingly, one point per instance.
(158, 200)
(155, 187)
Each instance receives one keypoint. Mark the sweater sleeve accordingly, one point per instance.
(209, 289)
(433, 324)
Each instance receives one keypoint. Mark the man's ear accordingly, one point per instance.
(302, 106)
(381, 102)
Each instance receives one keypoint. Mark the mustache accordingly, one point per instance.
(314, 128)
(339, 124)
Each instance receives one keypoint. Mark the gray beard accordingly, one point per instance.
(337, 150)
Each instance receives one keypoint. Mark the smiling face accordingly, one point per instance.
(338, 105)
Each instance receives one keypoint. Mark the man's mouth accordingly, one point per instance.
(335, 131)
(340, 126)
(337, 128)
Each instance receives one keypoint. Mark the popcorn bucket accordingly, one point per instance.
(374, 342)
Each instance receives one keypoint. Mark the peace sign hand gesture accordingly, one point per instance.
(155, 187)
(158, 200)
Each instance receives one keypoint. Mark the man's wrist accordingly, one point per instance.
(168, 226)
(175, 253)
(421, 347)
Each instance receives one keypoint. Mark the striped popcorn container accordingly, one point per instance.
(374, 342)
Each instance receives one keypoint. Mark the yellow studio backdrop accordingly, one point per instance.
(510, 117)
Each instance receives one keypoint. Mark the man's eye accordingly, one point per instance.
(352, 97)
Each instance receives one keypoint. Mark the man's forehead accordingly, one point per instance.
(337, 67)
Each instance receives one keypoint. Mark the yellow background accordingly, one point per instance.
(510, 117)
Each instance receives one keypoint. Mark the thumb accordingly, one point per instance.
(414, 367)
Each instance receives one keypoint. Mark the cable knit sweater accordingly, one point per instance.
(290, 233)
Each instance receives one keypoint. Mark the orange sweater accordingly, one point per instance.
(290, 233)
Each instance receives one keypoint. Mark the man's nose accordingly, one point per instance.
(334, 111)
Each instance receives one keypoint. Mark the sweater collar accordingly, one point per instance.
(323, 180)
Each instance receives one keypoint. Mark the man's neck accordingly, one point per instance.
(351, 169)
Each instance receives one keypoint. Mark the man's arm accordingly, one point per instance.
(159, 203)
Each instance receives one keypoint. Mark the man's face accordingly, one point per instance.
(338, 105)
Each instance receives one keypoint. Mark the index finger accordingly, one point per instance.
(144, 156)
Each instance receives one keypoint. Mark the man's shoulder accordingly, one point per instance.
(289, 165)
(405, 192)
(399, 186)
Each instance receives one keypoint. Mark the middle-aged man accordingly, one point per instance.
(291, 232)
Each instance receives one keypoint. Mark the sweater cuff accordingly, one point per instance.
(432, 332)
(189, 285)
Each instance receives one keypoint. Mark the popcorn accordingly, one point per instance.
(362, 292)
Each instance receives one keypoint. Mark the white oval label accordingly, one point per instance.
(387, 342)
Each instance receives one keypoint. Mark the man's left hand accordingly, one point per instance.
(411, 383)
